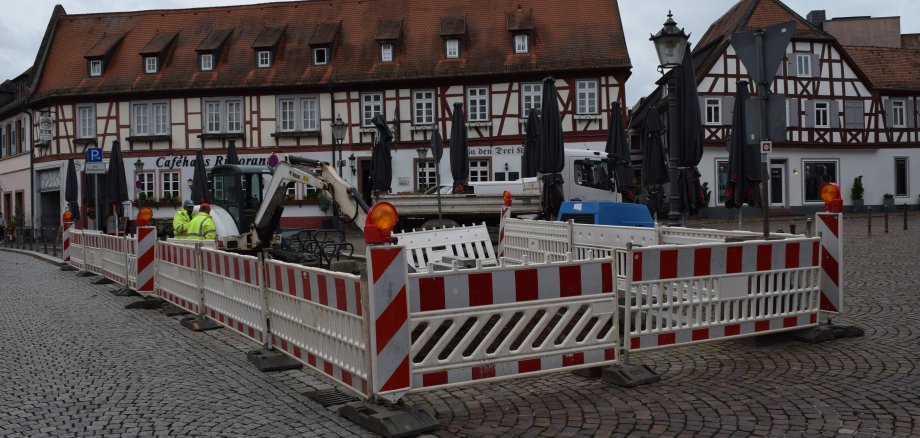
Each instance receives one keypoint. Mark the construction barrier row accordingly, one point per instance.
(126, 260)
(565, 296)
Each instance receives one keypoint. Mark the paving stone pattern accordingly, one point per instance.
(76, 363)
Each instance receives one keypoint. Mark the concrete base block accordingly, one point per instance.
(86, 274)
(267, 360)
(394, 421)
(102, 280)
(591, 373)
(126, 292)
(199, 323)
(171, 310)
(67, 268)
(630, 375)
(828, 332)
(144, 304)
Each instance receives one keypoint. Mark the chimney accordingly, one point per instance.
(817, 18)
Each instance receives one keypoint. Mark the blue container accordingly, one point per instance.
(606, 213)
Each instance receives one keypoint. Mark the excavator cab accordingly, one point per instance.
(239, 190)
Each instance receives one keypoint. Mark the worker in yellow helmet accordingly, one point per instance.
(182, 218)
(202, 226)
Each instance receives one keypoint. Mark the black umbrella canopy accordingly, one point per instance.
(690, 151)
(72, 193)
(116, 187)
(654, 161)
(437, 145)
(551, 158)
(381, 162)
(200, 192)
(459, 149)
(744, 174)
(531, 147)
(618, 157)
(232, 157)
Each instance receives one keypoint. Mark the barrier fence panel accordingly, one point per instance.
(430, 246)
(689, 236)
(112, 253)
(142, 260)
(176, 276)
(92, 252)
(830, 228)
(65, 242)
(77, 249)
(318, 317)
(540, 241)
(602, 241)
(705, 292)
(232, 286)
(506, 322)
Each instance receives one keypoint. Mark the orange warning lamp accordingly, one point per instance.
(830, 194)
(381, 219)
(67, 216)
(144, 214)
(506, 198)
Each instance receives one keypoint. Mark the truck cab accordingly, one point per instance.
(586, 176)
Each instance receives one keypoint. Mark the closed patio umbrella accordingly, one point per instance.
(690, 150)
(200, 192)
(744, 175)
(381, 162)
(232, 157)
(72, 193)
(459, 153)
(552, 150)
(531, 147)
(116, 187)
(618, 157)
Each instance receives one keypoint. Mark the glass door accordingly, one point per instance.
(777, 184)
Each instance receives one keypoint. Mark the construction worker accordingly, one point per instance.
(202, 226)
(182, 219)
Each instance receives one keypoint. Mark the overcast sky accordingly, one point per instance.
(23, 24)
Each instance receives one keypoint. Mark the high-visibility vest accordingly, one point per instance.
(201, 227)
(180, 223)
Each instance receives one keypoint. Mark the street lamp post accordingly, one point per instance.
(338, 136)
(671, 44)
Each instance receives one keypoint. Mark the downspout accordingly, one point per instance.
(31, 167)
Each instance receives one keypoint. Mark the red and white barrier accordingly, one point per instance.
(142, 251)
(390, 343)
(65, 242)
(177, 277)
(830, 228)
(506, 214)
(231, 287)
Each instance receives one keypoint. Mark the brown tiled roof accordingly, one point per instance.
(453, 25)
(159, 43)
(214, 40)
(325, 33)
(565, 38)
(519, 19)
(888, 68)
(104, 46)
(268, 38)
(388, 30)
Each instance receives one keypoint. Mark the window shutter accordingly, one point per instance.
(790, 65)
(809, 114)
(834, 109)
(854, 114)
(888, 119)
(703, 109)
(728, 109)
(909, 114)
(792, 106)
(815, 66)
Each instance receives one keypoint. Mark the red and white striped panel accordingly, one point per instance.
(66, 242)
(512, 368)
(93, 259)
(145, 250)
(389, 312)
(506, 214)
(78, 251)
(228, 265)
(515, 284)
(332, 370)
(311, 285)
(830, 228)
(662, 263)
(181, 255)
(721, 332)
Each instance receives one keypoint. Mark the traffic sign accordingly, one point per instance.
(95, 168)
(93, 155)
(766, 147)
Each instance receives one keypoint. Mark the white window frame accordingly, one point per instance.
(805, 182)
(150, 118)
(95, 67)
(480, 169)
(371, 105)
(721, 184)
(294, 114)
(86, 121)
(316, 56)
(170, 185)
(222, 116)
(803, 65)
(906, 161)
(714, 111)
(452, 48)
(424, 171)
(898, 114)
(263, 59)
(521, 43)
(586, 96)
(531, 95)
(147, 185)
(206, 62)
(386, 52)
(477, 104)
(151, 64)
(822, 115)
(423, 107)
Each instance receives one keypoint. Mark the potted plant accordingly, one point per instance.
(325, 202)
(889, 201)
(856, 194)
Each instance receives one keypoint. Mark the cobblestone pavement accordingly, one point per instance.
(76, 362)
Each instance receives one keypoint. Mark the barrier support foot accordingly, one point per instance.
(199, 323)
(125, 292)
(267, 360)
(145, 304)
(630, 375)
(102, 280)
(173, 310)
(590, 373)
(86, 274)
(67, 268)
(828, 332)
(389, 420)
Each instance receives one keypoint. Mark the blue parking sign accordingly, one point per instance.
(93, 155)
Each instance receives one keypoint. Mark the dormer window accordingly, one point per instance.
(265, 45)
(452, 48)
(153, 54)
(95, 67)
(386, 52)
(263, 59)
(151, 64)
(322, 41)
(206, 62)
(521, 43)
(321, 56)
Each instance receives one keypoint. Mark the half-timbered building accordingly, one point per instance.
(850, 106)
(273, 77)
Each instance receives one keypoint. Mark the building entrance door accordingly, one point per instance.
(777, 184)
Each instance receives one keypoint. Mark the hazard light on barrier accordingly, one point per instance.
(381, 219)
(830, 194)
(144, 215)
